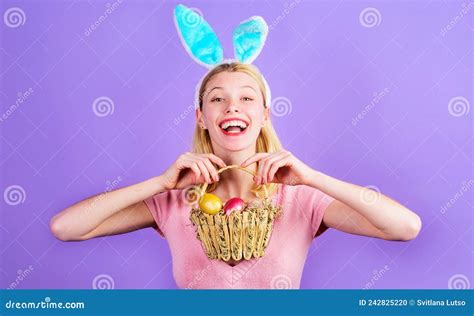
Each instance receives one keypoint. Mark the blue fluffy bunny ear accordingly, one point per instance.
(249, 38)
(198, 37)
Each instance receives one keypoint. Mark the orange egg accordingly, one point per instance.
(210, 204)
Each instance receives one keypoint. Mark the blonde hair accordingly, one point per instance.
(267, 140)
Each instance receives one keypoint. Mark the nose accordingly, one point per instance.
(232, 108)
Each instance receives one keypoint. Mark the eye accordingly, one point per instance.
(217, 99)
(247, 99)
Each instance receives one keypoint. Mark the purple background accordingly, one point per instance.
(411, 145)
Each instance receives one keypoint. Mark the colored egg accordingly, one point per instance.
(234, 205)
(210, 203)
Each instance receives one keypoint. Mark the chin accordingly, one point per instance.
(236, 148)
(236, 145)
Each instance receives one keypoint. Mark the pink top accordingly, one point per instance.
(280, 267)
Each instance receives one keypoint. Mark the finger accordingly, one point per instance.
(261, 167)
(212, 170)
(196, 159)
(218, 161)
(196, 172)
(267, 163)
(275, 166)
(284, 155)
(204, 171)
(191, 164)
(254, 158)
(185, 155)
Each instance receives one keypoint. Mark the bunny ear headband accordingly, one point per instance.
(201, 42)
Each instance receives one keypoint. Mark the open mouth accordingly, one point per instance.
(233, 127)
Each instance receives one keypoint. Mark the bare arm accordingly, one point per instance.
(124, 210)
(358, 211)
(108, 213)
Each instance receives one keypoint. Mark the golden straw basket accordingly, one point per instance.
(243, 234)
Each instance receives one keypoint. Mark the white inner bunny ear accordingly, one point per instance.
(249, 38)
(197, 36)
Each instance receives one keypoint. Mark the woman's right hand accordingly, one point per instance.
(191, 168)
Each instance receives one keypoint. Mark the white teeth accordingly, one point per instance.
(237, 123)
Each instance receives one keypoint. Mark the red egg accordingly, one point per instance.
(234, 204)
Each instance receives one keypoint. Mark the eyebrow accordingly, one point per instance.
(223, 88)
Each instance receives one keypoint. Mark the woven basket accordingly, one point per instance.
(240, 235)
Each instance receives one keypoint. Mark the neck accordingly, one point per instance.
(235, 182)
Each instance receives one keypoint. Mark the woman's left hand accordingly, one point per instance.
(279, 167)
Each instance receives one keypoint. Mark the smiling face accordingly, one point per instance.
(232, 110)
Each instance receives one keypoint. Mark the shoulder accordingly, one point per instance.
(303, 193)
(309, 200)
(163, 204)
(173, 198)
(306, 204)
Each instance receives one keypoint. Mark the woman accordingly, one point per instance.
(234, 128)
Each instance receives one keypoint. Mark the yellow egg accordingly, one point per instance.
(210, 204)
